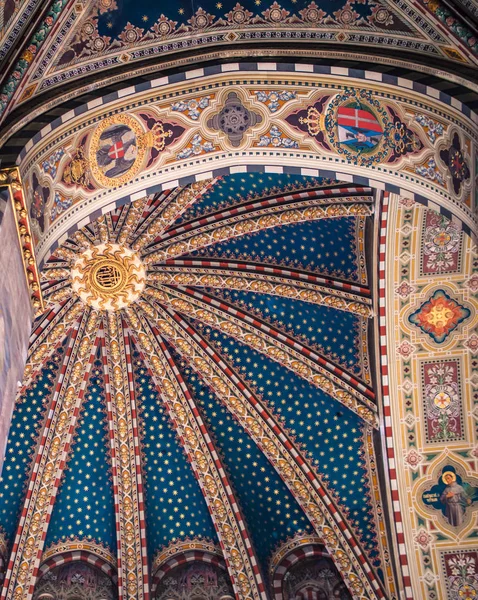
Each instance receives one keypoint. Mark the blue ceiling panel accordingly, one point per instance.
(84, 507)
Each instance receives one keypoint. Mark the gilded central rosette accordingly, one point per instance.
(108, 277)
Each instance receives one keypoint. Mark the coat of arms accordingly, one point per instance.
(358, 128)
(117, 151)
(120, 144)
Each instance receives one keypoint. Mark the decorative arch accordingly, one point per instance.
(89, 553)
(180, 553)
(288, 555)
(174, 155)
(75, 579)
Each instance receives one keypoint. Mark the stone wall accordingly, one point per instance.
(15, 316)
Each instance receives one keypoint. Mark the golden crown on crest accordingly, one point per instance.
(314, 121)
(155, 138)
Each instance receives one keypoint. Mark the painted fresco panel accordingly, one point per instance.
(460, 569)
(433, 399)
(442, 401)
(441, 242)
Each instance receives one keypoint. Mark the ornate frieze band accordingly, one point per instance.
(83, 45)
(136, 142)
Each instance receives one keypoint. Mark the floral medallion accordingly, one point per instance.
(454, 159)
(234, 119)
(439, 316)
(441, 245)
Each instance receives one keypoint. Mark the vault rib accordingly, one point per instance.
(133, 574)
(211, 230)
(227, 518)
(280, 450)
(278, 282)
(278, 346)
(174, 205)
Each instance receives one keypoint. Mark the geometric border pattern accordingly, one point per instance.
(401, 183)
(254, 66)
(290, 170)
(417, 463)
(387, 415)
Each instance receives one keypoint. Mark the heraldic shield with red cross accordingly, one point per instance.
(358, 128)
(117, 151)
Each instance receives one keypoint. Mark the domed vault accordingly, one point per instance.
(200, 382)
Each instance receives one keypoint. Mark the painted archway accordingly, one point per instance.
(293, 118)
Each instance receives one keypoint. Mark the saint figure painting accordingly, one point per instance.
(454, 498)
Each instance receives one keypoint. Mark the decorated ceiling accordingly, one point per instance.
(255, 292)
(117, 39)
(223, 395)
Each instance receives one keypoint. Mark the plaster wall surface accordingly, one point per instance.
(15, 319)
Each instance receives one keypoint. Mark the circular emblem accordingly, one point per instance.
(239, 16)
(108, 277)
(438, 240)
(467, 591)
(442, 400)
(164, 27)
(357, 126)
(117, 149)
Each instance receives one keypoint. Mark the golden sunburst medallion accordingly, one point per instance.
(108, 277)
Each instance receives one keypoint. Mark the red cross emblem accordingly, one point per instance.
(116, 150)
